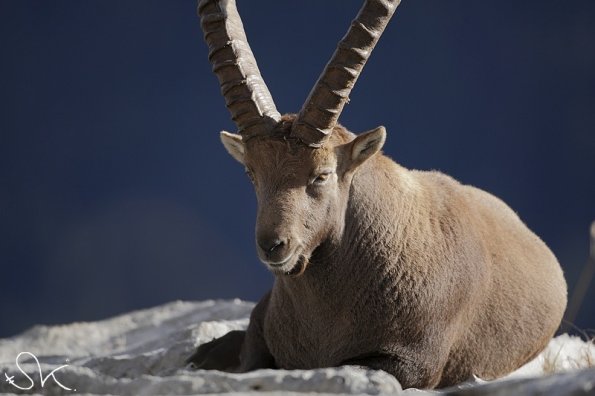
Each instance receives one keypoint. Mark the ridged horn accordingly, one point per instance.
(246, 95)
(322, 109)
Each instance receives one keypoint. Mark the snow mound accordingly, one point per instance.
(564, 353)
(143, 353)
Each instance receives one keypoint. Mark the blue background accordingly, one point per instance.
(116, 194)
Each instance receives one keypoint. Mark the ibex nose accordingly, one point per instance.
(271, 246)
(274, 248)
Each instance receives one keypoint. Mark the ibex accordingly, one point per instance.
(375, 265)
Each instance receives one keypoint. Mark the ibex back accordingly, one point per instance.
(406, 271)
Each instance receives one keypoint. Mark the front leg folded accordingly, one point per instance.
(222, 353)
(237, 351)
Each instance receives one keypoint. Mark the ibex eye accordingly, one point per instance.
(321, 178)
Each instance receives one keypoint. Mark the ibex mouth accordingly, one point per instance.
(299, 267)
(293, 265)
(280, 263)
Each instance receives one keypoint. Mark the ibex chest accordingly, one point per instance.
(308, 331)
(306, 337)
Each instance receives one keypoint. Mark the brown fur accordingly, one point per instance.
(406, 271)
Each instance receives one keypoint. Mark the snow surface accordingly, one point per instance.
(143, 353)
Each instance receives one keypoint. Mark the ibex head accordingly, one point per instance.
(301, 165)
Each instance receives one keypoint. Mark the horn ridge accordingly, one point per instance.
(246, 95)
(326, 100)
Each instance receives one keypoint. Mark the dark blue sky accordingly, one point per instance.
(115, 193)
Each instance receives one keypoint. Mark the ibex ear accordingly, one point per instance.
(366, 145)
(234, 145)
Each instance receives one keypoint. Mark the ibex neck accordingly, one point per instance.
(380, 205)
(381, 201)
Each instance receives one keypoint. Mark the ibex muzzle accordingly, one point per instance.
(376, 265)
(277, 232)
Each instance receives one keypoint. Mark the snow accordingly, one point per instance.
(563, 353)
(143, 353)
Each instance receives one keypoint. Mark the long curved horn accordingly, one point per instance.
(322, 109)
(246, 95)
